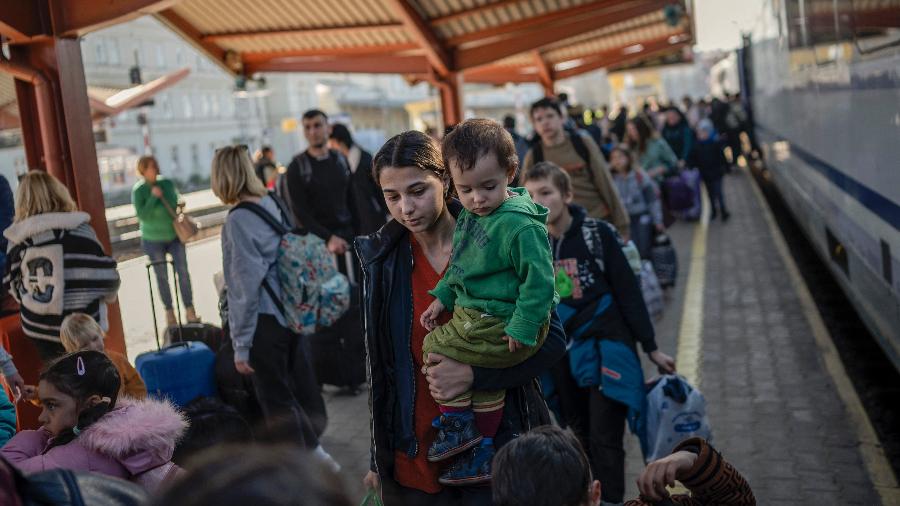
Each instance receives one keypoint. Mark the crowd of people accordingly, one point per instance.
(497, 277)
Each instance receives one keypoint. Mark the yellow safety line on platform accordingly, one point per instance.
(877, 465)
(690, 339)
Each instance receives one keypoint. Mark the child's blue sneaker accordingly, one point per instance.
(472, 468)
(456, 433)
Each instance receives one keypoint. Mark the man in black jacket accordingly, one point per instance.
(318, 186)
(367, 198)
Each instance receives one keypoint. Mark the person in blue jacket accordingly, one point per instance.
(603, 309)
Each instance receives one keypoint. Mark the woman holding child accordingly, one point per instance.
(401, 264)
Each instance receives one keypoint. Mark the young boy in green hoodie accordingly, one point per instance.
(499, 285)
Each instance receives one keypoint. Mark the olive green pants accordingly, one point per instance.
(476, 339)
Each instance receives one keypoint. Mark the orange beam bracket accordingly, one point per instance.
(187, 31)
(437, 54)
(451, 88)
(541, 36)
(545, 73)
(20, 21)
(617, 56)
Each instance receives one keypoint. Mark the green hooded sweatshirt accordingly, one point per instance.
(502, 265)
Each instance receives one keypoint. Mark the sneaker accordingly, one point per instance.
(456, 434)
(326, 459)
(725, 215)
(473, 468)
(712, 215)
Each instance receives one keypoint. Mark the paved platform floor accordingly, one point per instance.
(773, 407)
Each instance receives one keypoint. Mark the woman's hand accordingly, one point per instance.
(662, 473)
(371, 481)
(665, 363)
(447, 378)
(514, 345)
(29, 393)
(429, 316)
(243, 367)
(157, 192)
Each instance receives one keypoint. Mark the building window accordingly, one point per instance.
(100, 52)
(176, 167)
(112, 47)
(195, 159)
(186, 103)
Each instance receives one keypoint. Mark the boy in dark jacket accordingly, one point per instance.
(593, 275)
(708, 156)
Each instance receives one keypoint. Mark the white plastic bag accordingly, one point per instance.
(652, 292)
(668, 421)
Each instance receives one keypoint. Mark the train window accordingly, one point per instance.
(886, 269)
(869, 25)
(837, 252)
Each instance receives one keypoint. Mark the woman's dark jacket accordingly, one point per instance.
(387, 264)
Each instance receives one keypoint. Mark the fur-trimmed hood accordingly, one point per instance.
(139, 434)
(39, 223)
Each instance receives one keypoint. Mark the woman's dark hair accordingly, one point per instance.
(411, 149)
(262, 475)
(522, 467)
(644, 130)
(80, 375)
(341, 133)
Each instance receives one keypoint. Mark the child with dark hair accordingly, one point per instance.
(499, 286)
(640, 194)
(87, 427)
(523, 465)
(521, 469)
(599, 290)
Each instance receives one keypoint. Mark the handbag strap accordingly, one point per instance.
(168, 207)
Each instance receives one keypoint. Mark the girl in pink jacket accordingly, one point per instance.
(87, 428)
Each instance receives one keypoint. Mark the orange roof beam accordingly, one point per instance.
(625, 54)
(251, 58)
(351, 64)
(438, 55)
(545, 35)
(328, 30)
(532, 22)
(76, 17)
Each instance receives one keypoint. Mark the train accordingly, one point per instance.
(821, 79)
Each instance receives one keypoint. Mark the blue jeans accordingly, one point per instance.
(157, 251)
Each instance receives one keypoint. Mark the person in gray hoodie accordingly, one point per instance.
(264, 347)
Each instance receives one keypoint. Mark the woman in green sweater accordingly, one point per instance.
(158, 238)
(651, 151)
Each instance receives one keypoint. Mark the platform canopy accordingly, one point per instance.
(493, 41)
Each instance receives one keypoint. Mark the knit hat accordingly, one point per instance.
(707, 125)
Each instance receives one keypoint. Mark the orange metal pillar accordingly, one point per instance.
(58, 133)
(451, 88)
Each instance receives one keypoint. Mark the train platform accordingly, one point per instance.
(743, 328)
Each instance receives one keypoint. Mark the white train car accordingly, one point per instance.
(823, 80)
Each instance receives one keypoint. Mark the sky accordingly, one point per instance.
(719, 22)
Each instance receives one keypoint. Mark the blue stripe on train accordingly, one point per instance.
(880, 205)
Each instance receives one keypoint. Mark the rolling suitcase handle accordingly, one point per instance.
(167, 263)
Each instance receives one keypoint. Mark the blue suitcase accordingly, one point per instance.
(180, 372)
